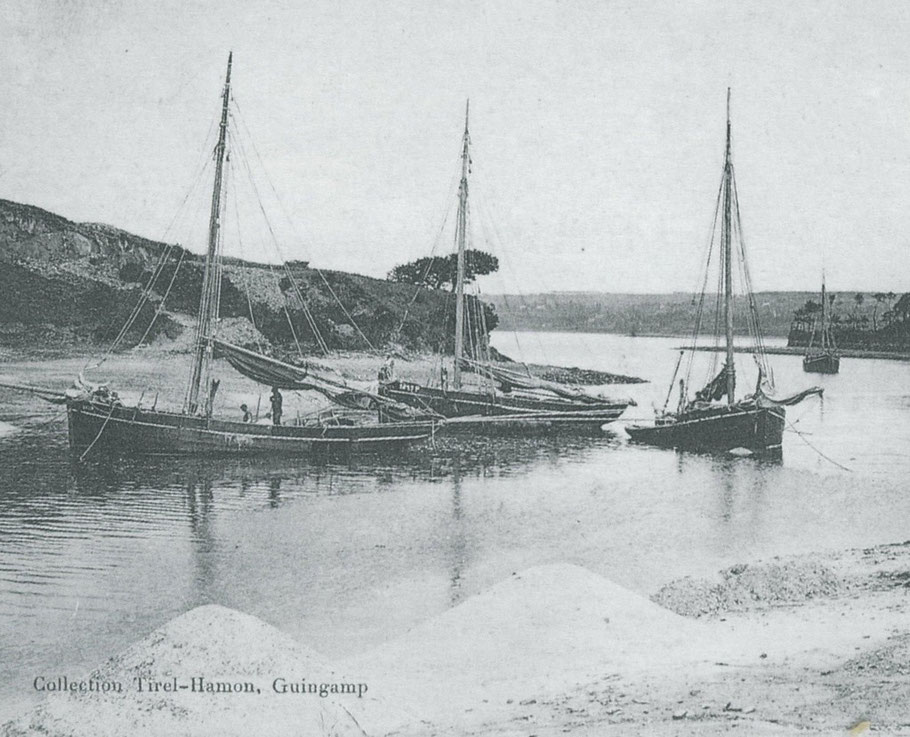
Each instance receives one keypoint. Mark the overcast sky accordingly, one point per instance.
(597, 127)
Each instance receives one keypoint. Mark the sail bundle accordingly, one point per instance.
(715, 389)
(509, 379)
(765, 400)
(272, 372)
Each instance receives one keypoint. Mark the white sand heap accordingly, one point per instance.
(539, 632)
(537, 635)
(230, 652)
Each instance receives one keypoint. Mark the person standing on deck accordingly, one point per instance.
(247, 416)
(387, 370)
(276, 401)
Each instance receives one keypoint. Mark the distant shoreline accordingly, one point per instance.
(774, 350)
(800, 351)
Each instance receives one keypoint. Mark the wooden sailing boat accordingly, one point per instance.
(822, 358)
(98, 421)
(715, 420)
(506, 399)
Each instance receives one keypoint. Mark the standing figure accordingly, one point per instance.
(247, 417)
(276, 401)
(387, 370)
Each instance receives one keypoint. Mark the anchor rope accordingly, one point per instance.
(98, 436)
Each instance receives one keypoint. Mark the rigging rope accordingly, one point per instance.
(696, 331)
(167, 293)
(431, 260)
(243, 271)
(200, 168)
(293, 227)
(311, 321)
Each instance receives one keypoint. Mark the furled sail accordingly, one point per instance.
(272, 372)
(263, 369)
(509, 378)
(764, 400)
(715, 389)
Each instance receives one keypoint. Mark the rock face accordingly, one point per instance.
(69, 282)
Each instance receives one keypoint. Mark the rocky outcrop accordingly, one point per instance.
(79, 282)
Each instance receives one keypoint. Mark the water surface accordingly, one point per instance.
(347, 555)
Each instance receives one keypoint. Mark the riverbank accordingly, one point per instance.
(807, 645)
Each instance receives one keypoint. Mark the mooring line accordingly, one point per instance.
(827, 458)
(98, 436)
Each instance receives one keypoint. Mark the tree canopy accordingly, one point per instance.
(438, 272)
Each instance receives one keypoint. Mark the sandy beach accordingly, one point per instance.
(806, 645)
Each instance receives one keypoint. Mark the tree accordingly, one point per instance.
(437, 272)
(902, 308)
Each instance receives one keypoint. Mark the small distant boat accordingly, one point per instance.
(715, 420)
(505, 399)
(822, 358)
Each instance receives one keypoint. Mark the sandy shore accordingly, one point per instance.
(807, 645)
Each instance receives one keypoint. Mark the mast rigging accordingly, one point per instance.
(208, 301)
(461, 227)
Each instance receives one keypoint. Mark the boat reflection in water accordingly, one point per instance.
(340, 473)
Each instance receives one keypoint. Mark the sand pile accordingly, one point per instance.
(220, 646)
(750, 586)
(539, 632)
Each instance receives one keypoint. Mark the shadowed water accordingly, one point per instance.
(347, 554)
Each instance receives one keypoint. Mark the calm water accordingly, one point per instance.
(345, 556)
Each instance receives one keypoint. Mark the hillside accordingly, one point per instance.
(649, 314)
(64, 284)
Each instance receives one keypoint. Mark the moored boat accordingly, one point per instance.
(822, 357)
(518, 401)
(99, 426)
(715, 420)
(99, 421)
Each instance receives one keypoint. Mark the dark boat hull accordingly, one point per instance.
(759, 429)
(510, 411)
(822, 363)
(98, 427)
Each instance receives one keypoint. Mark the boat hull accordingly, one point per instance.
(104, 428)
(514, 412)
(527, 425)
(821, 363)
(759, 429)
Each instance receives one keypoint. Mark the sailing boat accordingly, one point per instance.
(506, 399)
(823, 358)
(99, 421)
(715, 420)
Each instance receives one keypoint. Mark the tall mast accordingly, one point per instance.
(208, 301)
(726, 239)
(461, 230)
(824, 313)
